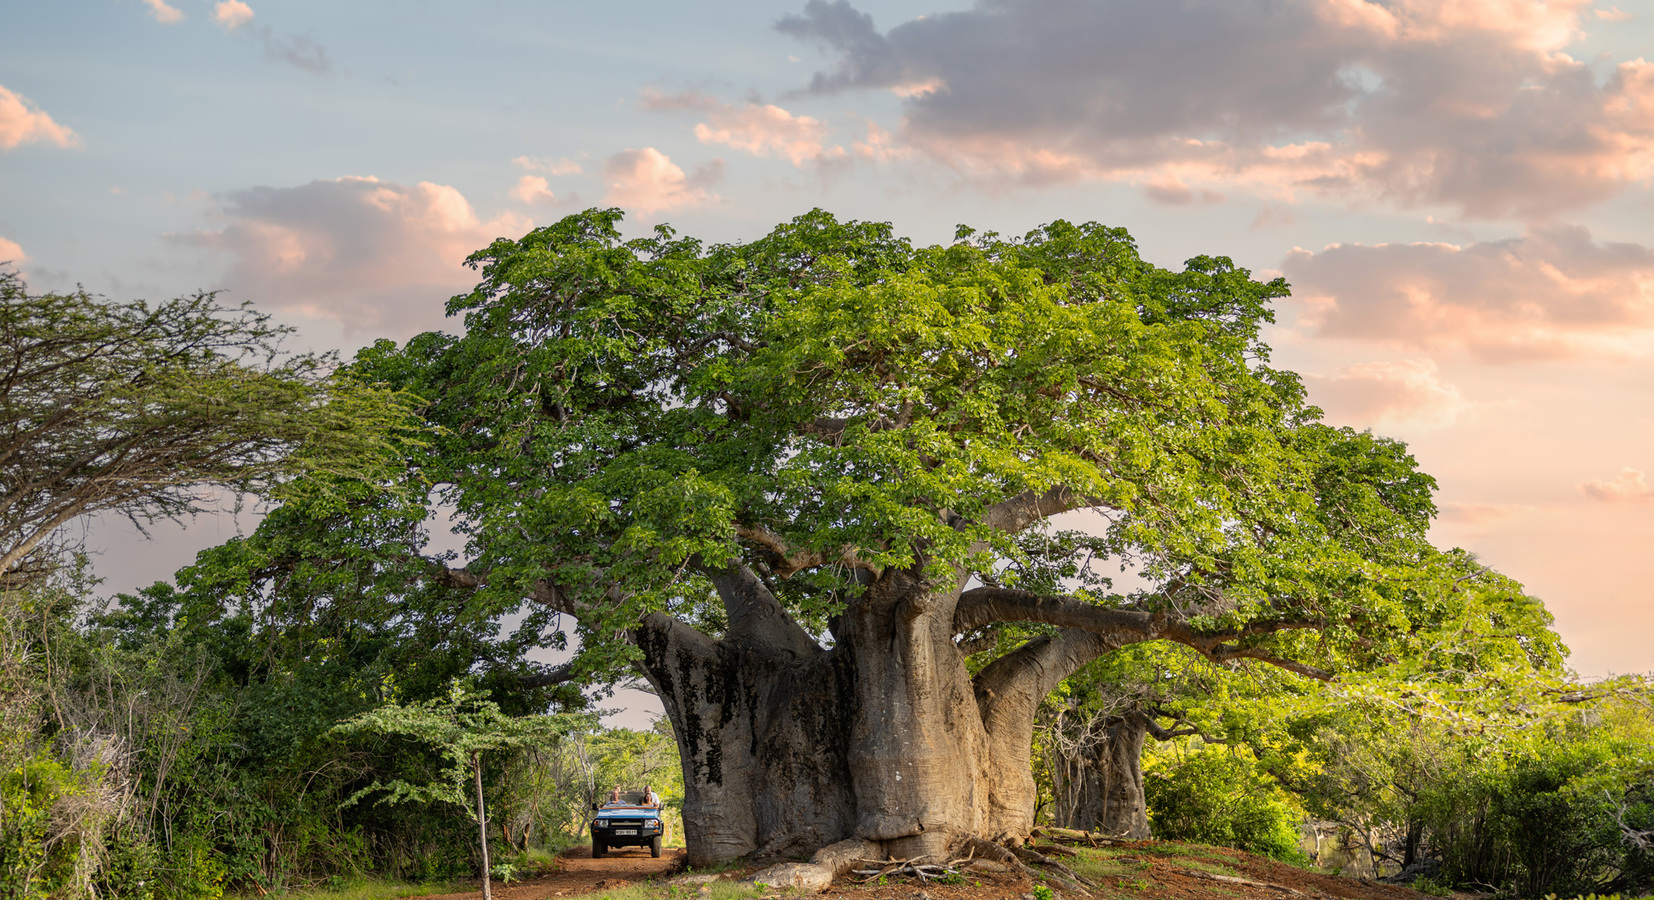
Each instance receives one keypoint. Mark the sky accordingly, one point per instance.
(1459, 192)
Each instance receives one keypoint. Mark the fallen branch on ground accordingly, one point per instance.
(923, 871)
(1230, 879)
(1073, 836)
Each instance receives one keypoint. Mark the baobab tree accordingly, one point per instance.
(796, 481)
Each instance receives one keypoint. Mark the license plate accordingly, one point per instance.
(625, 831)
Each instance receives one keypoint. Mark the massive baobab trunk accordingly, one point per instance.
(885, 737)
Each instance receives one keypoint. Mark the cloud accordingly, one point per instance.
(300, 51)
(161, 12)
(1613, 14)
(372, 255)
(1273, 215)
(12, 252)
(1171, 191)
(533, 190)
(232, 14)
(564, 166)
(1468, 103)
(1387, 395)
(1629, 485)
(1554, 292)
(761, 129)
(21, 122)
(1480, 515)
(646, 181)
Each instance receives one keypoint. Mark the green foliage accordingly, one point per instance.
(616, 409)
(1215, 796)
(459, 728)
(128, 408)
(1539, 786)
(27, 794)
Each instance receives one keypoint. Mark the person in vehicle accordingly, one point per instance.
(614, 798)
(650, 798)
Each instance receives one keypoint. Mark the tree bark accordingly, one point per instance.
(1099, 786)
(884, 738)
(482, 825)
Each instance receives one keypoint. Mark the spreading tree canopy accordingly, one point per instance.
(852, 506)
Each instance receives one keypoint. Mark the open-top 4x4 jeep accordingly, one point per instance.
(627, 824)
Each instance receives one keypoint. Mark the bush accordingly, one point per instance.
(1212, 796)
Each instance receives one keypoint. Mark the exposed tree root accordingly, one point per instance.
(828, 863)
(859, 858)
(1073, 879)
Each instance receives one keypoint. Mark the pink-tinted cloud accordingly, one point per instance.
(11, 252)
(161, 12)
(232, 14)
(1470, 103)
(646, 181)
(1613, 14)
(1173, 191)
(21, 122)
(533, 190)
(1482, 515)
(375, 256)
(564, 166)
(761, 129)
(1630, 485)
(1403, 394)
(1550, 293)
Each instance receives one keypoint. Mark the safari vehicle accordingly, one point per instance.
(627, 823)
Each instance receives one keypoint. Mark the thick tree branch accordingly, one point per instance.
(790, 559)
(1013, 515)
(1024, 677)
(756, 618)
(548, 677)
(984, 605)
(544, 592)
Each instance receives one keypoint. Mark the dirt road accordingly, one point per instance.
(580, 874)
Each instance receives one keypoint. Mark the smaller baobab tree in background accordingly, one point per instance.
(460, 728)
(1092, 733)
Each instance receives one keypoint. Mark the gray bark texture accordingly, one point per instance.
(884, 740)
(1098, 784)
(881, 739)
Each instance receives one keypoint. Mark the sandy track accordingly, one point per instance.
(580, 874)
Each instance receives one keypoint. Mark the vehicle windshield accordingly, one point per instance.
(627, 798)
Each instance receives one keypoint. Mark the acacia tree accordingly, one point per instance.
(132, 408)
(788, 479)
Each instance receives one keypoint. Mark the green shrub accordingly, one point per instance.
(1212, 796)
